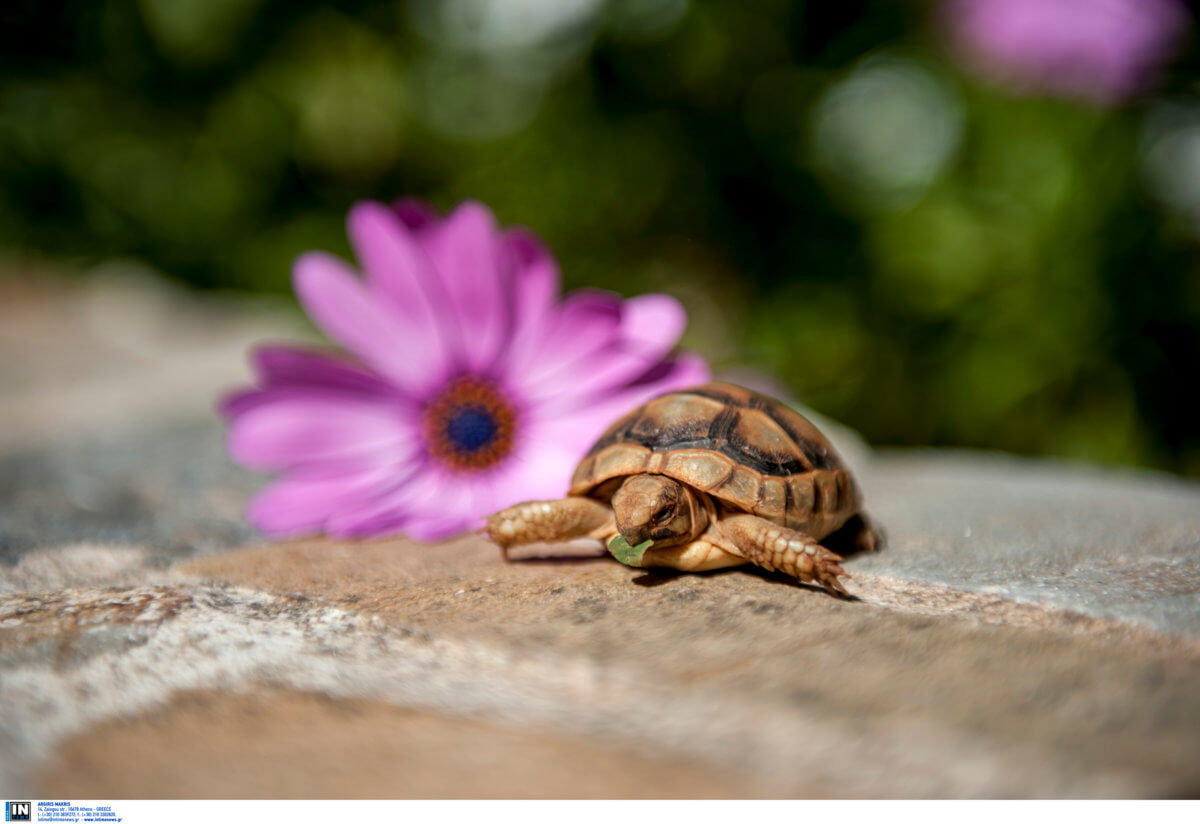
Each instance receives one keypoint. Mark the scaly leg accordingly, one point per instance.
(545, 521)
(776, 547)
(859, 534)
(870, 537)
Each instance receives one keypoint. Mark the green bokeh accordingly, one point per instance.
(1022, 290)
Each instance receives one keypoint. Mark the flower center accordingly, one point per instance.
(469, 425)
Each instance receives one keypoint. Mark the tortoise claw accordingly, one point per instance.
(827, 571)
(829, 579)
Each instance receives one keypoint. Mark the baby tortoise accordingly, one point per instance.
(710, 477)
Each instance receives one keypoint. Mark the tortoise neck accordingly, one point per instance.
(702, 510)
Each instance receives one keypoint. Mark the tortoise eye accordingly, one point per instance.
(662, 515)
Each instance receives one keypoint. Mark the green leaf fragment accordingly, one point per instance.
(626, 554)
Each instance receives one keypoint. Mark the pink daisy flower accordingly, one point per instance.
(471, 385)
(1103, 51)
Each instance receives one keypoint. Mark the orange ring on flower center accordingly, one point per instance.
(469, 425)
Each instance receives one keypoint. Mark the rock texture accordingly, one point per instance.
(1032, 628)
(305, 745)
(1109, 543)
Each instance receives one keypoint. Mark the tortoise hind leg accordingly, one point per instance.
(776, 547)
(544, 521)
(859, 534)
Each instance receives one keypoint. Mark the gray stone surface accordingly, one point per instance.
(107, 430)
(169, 489)
(909, 690)
(1106, 542)
(107, 437)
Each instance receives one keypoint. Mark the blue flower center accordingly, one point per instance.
(471, 428)
(469, 425)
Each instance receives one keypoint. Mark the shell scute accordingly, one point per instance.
(773, 500)
(621, 459)
(760, 442)
(672, 421)
(705, 469)
(741, 487)
(825, 492)
(800, 491)
(808, 439)
(848, 494)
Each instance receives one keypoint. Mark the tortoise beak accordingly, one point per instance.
(636, 535)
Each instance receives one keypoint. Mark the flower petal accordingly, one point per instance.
(297, 506)
(289, 371)
(398, 270)
(536, 285)
(416, 214)
(653, 323)
(476, 271)
(536, 279)
(649, 327)
(284, 365)
(574, 418)
(339, 304)
(588, 321)
(609, 370)
(289, 431)
(540, 471)
(240, 401)
(431, 528)
(425, 498)
(461, 504)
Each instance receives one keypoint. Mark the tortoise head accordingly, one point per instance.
(659, 509)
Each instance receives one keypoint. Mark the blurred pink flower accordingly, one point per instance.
(1101, 51)
(473, 385)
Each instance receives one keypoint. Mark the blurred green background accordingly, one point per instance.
(923, 254)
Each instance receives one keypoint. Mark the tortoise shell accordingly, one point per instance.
(746, 450)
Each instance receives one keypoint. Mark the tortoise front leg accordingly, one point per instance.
(776, 547)
(544, 521)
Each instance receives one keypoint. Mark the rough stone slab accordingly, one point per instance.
(300, 745)
(108, 435)
(119, 351)
(1103, 542)
(1110, 544)
(107, 439)
(166, 491)
(909, 691)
